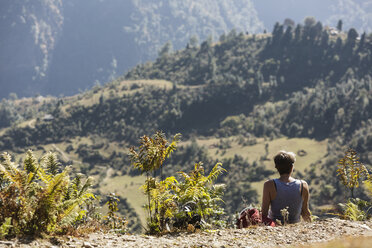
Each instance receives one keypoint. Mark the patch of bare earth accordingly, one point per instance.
(296, 235)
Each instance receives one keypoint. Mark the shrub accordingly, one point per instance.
(151, 155)
(186, 205)
(112, 220)
(199, 190)
(191, 203)
(356, 209)
(351, 170)
(40, 198)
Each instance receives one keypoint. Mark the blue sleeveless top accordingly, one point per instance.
(287, 195)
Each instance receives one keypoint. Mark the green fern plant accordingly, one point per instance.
(201, 190)
(355, 209)
(162, 203)
(112, 220)
(37, 198)
(148, 158)
(167, 198)
(351, 170)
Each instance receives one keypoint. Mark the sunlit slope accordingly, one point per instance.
(114, 89)
(308, 151)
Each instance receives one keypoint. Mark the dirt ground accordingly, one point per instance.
(313, 234)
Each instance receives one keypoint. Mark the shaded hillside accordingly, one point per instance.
(59, 47)
(30, 31)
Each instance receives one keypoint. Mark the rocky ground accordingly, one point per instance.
(258, 236)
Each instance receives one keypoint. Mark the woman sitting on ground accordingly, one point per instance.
(285, 192)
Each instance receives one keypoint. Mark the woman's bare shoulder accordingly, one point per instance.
(304, 184)
(269, 184)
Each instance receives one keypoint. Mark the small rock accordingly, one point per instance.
(365, 226)
(129, 240)
(87, 245)
(6, 243)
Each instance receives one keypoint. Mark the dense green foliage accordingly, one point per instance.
(114, 221)
(352, 172)
(151, 155)
(356, 209)
(185, 205)
(40, 198)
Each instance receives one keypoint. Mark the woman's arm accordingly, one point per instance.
(266, 199)
(305, 212)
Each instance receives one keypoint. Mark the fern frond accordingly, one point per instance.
(88, 183)
(30, 163)
(169, 181)
(172, 147)
(8, 167)
(10, 172)
(51, 163)
(43, 176)
(184, 175)
(216, 171)
(68, 216)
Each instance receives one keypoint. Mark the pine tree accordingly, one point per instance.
(339, 25)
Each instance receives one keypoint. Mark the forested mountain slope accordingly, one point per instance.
(243, 92)
(60, 46)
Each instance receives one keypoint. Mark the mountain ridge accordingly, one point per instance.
(58, 47)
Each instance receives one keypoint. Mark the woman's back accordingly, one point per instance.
(287, 195)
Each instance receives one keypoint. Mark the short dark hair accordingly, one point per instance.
(284, 162)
